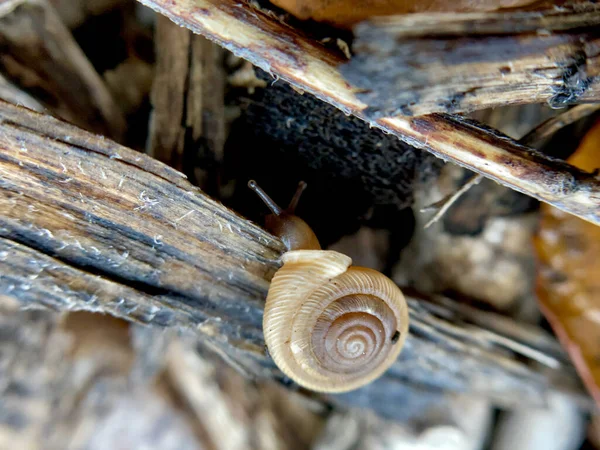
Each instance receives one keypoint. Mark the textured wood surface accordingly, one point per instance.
(188, 123)
(86, 224)
(452, 63)
(113, 212)
(344, 13)
(307, 65)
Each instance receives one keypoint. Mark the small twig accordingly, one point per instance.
(445, 203)
(543, 131)
(534, 139)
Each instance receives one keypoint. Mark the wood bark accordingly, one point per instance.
(309, 66)
(188, 120)
(38, 53)
(86, 224)
(483, 206)
(427, 63)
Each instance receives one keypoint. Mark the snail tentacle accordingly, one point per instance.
(329, 326)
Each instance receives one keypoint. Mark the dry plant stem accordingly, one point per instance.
(447, 202)
(534, 139)
(39, 53)
(461, 62)
(307, 65)
(86, 224)
(523, 333)
(166, 139)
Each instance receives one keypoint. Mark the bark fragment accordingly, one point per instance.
(307, 65)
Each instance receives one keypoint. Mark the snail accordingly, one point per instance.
(329, 326)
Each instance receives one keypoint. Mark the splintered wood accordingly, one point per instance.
(306, 64)
(93, 203)
(187, 123)
(86, 224)
(425, 63)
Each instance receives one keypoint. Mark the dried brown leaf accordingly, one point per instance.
(568, 281)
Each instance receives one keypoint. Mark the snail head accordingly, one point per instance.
(283, 223)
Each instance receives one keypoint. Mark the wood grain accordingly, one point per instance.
(86, 224)
(306, 64)
(456, 63)
(187, 126)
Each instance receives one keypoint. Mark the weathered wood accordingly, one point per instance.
(477, 215)
(188, 120)
(86, 224)
(307, 65)
(137, 217)
(343, 13)
(428, 63)
(39, 54)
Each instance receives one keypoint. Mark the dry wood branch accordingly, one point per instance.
(39, 53)
(86, 224)
(455, 62)
(535, 138)
(306, 64)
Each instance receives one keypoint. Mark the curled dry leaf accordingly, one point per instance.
(568, 281)
(348, 12)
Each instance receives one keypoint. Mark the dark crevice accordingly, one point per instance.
(230, 308)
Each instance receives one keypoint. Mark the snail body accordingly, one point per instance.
(328, 325)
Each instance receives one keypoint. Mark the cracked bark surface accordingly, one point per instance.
(462, 62)
(306, 64)
(86, 224)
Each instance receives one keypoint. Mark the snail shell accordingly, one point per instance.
(332, 327)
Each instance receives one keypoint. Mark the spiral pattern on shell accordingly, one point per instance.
(329, 326)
